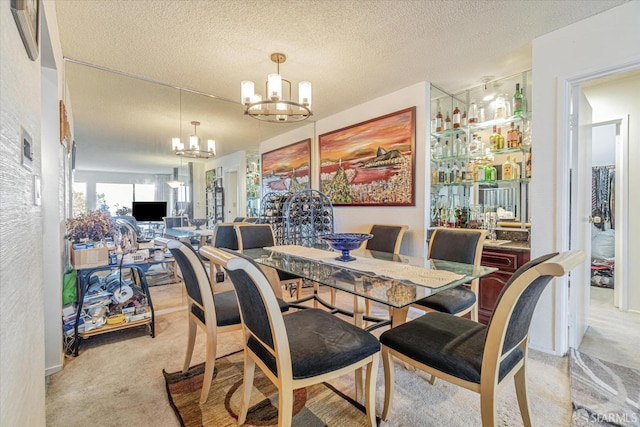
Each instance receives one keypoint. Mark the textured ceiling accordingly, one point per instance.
(351, 50)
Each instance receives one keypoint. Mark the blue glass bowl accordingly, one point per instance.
(197, 223)
(346, 242)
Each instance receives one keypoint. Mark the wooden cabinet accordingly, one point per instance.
(507, 261)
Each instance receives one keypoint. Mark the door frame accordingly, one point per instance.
(565, 158)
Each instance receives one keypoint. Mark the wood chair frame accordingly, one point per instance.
(284, 379)
(490, 384)
(475, 284)
(396, 250)
(270, 272)
(209, 326)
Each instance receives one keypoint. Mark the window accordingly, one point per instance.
(117, 198)
(79, 203)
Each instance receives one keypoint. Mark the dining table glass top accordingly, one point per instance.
(391, 279)
(187, 232)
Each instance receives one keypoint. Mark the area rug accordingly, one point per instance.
(318, 405)
(603, 393)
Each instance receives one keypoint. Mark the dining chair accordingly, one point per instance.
(458, 245)
(251, 236)
(224, 236)
(298, 350)
(386, 238)
(481, 358)
(175, 221)
(213, 314)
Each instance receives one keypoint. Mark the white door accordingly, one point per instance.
(580, 237)
(231, 196)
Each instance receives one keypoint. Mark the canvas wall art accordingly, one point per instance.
(287, 168)
(370, 163)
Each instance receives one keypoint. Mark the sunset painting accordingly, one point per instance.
(370, 163)
(287, 168)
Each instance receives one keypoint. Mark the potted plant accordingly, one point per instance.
(87, 234)
(94, 226)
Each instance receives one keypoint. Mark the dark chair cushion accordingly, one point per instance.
(454, 245)
(284, 275)
(227, 311)
(450, 301)
(450, 344)
(226, 237)
(384, 238)
(320, 343)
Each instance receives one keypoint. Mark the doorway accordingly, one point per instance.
(600, 153)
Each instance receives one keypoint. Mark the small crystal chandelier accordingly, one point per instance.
(194, 150)
(276, 107)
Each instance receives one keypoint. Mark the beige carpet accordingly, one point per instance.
(117, 381)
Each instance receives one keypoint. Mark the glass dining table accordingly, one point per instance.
(189, 233)
(394, 280)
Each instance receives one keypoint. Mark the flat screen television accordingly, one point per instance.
(149, 211)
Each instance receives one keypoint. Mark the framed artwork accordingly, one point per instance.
(371, 163)
(287, 168)
(65, 128)
(210, 177)
(27, 16)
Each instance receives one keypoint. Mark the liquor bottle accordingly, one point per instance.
(481, 173)
(517, 101)
(455, 172)
(434, 176)
(501, 108)
(512, 137)
(473, 146)
(507, 169)
(447, 122)
(500, 140)
(464, 148)
(525, 101)
(470, 171)
(447, 174)
(463, 118)
(456, 118)
(456, 150)
(491, 172)
(481, 146)
(518, 137)
(446, 151)
(463, 172)
(492, 139)
(481, 111)
(527, 169)
(438, 150)
(517, 173)
(473, 113)
(439, 122)
(441, 177)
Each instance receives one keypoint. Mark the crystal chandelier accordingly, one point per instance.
(194, 150)
(276, 107)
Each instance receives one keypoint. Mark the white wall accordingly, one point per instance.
(614, 100)
(360, 218)
(22, 230)
(603, 42)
